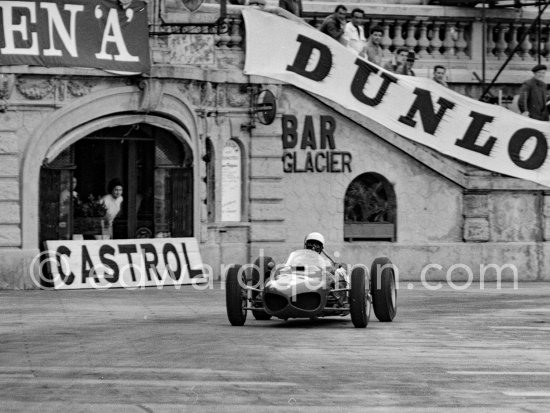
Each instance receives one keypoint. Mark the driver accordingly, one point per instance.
(316, 242)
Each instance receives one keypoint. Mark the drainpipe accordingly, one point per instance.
(483, 44)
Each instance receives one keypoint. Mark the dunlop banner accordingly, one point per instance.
(95, 34)
(488, 136)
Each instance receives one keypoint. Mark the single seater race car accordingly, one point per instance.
(310, 285)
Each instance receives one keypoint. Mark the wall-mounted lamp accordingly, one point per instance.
(263, 109)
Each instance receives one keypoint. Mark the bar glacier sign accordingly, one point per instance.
(101, 34)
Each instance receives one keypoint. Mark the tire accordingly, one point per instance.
(359, 303)
(260, 264)
(236, 299)
(384, 293)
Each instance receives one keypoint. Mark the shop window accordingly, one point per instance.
(156, 171)
(370, 209)
(231, 182)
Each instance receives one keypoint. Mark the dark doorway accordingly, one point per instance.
(157, 176)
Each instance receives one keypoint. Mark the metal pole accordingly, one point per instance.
(538, 34)
(483, 43)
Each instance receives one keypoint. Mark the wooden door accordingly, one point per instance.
(182, 202)
(50, 188)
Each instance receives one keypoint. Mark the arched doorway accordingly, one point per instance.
(154, 167)
(370, 209)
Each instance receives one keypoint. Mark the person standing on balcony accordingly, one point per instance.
(401, 62)
(354, 32)
(439, 75)
(335, 23)
(533, 95)
(373, 49)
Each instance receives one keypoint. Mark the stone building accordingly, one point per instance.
(196, 160)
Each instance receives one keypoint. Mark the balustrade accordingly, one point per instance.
(432, 38)
(505, 37)
(429, 38)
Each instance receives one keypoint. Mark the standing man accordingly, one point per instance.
(354, 31)
(533, 95)
(402, 62)
(439, 75)
(373, 49)
(334, 24)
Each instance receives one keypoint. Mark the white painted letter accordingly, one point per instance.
(10, 28)
(113, 34)
(55, 20)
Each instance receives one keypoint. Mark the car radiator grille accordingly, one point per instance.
(275, 302)
(307, 301)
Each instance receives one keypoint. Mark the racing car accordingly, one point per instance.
(310, 285)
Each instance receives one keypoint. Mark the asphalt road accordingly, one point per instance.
(173, 350)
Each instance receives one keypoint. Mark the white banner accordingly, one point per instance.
(488, 136)
(128, 263)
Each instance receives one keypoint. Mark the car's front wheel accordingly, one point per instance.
(383, 289)
(359, 302)
(236, 297)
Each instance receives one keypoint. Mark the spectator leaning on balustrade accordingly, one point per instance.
(533, 95)
(401, 62)
(439, 75)
(354, 31)
(373, 48)
(334, 24)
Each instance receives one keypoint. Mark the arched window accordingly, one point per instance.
(370, 209)
(156, 171)
(231, 182)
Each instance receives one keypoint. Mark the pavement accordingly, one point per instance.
(173, 350)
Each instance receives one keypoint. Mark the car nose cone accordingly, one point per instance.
(294, 295)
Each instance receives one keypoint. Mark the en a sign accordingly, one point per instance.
(84, 33)
(126, 263)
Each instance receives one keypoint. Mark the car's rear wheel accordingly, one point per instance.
(262, 265)
(359, 303)
(383, 289)
(236, 299)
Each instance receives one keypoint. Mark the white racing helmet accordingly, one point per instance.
(314, 241)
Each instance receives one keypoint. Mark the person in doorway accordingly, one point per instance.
(66, 194)
(112, 202)
(439, 75)
(533, 95)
